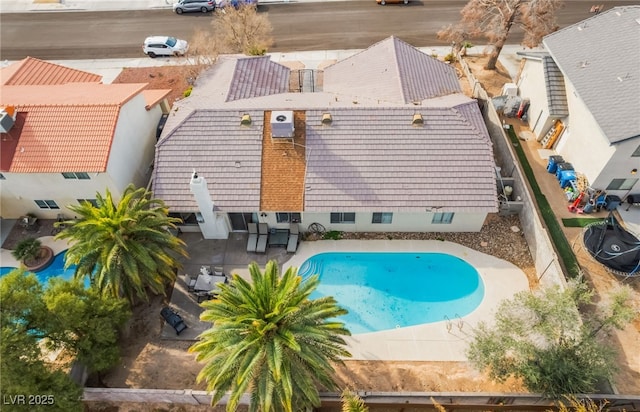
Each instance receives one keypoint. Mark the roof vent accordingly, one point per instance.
(7, 118)
(282, 124)
(326, 119)
(246, 120)
(417, 120)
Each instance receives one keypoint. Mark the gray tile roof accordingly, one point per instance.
(556, 92)
(375, 158)
(258, 76)
(600, 57)
(211, 142)
(391, 71)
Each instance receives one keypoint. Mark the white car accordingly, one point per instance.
(164, 46)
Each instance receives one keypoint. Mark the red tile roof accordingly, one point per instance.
(70, 94)
(64, 139)
(155, 96)
(67, 128)
(32, 71)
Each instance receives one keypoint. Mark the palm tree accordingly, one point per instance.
(27, 249)
(125, 248)
(352, 402)
(271, 340)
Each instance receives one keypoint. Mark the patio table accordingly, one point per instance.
(279, 237)
(209, 283)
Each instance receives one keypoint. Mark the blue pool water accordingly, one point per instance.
(385, 291)
(56, 268)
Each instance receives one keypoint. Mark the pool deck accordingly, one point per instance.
(440, 341)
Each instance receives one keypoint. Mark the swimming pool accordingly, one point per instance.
(385, 291)
(56, 268)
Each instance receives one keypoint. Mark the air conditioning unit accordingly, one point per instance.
(282, 124)
(7, 118)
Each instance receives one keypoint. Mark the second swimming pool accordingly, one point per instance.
(385, 291)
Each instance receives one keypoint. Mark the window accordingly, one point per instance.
(636, 153)
(343, 217)
(47, 204)
(93, 202)
(78, 175)
(383, 217)
(622, 184)
(444, 218)
(282, 217)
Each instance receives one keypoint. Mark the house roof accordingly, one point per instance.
(32, 71)
(367, 157)
(258, 76)
(556, 91)
(57, 139)
(371, 156)
(599, 57)
(154, 96)
(67, 128)
(399, 71)
(226, 154)
(376, 158)
(70, 94)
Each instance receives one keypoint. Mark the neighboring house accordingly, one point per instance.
(585, 86)
(66, 136)
(381, 141)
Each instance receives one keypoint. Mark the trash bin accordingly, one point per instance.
(566, 177)
(612, 202)
(561, 167)
(553, 163)
(173, 319)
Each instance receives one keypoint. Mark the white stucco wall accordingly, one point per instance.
(401, 222)
(531, 86)
(585, 146)
(19, 190)
(133, 145)
(132, 152)
(620, 166)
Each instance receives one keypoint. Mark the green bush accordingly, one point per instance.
(451, 58)
(555, 231)
(27, 249)
(187, 92)
(333, 235)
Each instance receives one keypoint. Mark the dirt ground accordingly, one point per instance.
(149, 362)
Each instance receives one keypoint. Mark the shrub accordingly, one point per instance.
(333, 235)
(187, 92)
(27, 249)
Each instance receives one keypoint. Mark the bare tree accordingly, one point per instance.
(240, 30)
(243, 30)
(493, 19)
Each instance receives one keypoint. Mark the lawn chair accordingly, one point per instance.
(191, 283)
(294, 233)
(253, 237)
(263, 237)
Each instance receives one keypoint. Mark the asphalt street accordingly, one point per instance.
(299, 26)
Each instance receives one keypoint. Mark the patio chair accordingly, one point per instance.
(218, 271)
(263, 236)
(253, 237)
(173, 319)
(292, 244)
(191, 282)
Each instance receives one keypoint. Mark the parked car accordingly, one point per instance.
(164, 46)
(383, 2)
(193, 5)
(221, 4)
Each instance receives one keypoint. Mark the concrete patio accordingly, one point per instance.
(231, 254)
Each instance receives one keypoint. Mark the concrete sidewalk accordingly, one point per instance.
(110, 68)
